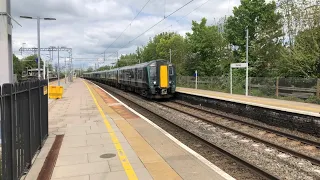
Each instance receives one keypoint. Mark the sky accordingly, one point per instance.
(89, 27)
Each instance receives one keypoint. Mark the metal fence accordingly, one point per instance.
(24, 125)
(293, 88)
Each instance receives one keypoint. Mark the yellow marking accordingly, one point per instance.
(122, 156)
(45, 90)
(164, 76)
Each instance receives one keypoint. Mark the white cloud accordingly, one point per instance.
(90, 26)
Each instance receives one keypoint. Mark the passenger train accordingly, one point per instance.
(155, 79)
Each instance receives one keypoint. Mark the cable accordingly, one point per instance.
(157, 23)
(185, 15)
(193, 10)
(127, 26)
(153, 26)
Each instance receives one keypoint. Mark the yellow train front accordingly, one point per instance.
(155, 79)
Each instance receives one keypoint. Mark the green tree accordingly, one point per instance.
(127, 60)
(178, 48)
(301, 54)
(209, 50)
(303, 59)
(30, 62)
(106, 67)
(17, 67)
(265, 34)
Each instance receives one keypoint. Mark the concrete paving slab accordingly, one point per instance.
(80, 169)
(67, 151)
(92, 137)
(100, 141)
(74, 143)
(86, 177)
(111, 175)
(135, 167)
(71, 160)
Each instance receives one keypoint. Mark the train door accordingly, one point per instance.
(118, 78)
(136, 77)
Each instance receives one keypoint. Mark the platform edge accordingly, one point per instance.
(296, 111)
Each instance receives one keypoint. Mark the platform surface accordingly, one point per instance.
(105, 140)
(299, 107)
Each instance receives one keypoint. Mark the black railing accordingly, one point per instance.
(24, 125)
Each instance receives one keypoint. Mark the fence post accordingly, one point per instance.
(8, 142)
(40, 113)
(277, 87)
(318, 88)
(2, 134)
(29, 139)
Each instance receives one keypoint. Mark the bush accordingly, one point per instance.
(313, 99)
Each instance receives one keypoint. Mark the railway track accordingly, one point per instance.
(237, 127)
(253, 168)
(267, 129)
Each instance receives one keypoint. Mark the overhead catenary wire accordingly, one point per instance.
(156, 24)
(152, 27)
(184, 16)
(127, 26)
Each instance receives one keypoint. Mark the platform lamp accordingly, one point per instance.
(38, 36)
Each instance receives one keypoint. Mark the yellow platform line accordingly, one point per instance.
(122, 156)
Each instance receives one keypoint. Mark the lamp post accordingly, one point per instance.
(38, 30)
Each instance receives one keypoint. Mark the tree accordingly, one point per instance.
(178, 48)
(106, 67)
(265, 34)
(30, 62)
(301, 54)
(90, 69)
(208, 48)
(17, 67)
(303, 59)
(127, 60)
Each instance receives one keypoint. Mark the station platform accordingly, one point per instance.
(105, 139)
(283, 105)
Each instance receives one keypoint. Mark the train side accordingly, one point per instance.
(154, 79)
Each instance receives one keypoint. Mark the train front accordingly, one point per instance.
(162, 79)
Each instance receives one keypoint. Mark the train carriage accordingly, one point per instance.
(154, 79)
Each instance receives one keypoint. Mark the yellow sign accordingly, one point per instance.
(45, 90)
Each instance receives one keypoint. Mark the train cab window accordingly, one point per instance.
(153, 71)
(171, 71)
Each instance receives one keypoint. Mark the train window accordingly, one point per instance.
(140, 74)
(153, 71)
(171, 70)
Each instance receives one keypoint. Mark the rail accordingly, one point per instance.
(312, 159)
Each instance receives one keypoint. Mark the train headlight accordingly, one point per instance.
(154, 82)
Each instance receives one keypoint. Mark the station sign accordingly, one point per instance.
(239, 65)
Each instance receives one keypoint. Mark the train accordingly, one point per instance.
(154, 79)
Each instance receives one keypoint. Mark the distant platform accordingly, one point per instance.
(282, 105)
